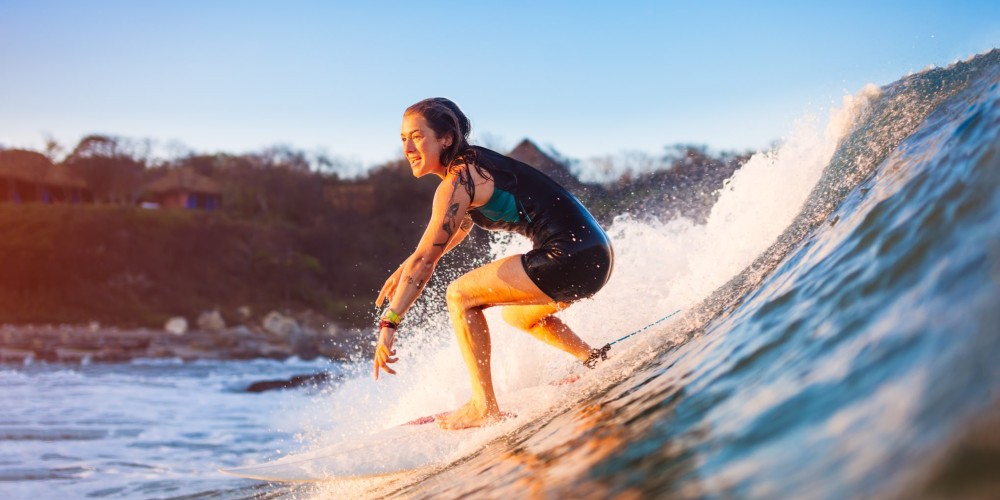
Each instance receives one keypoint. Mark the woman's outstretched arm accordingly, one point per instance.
(446, 229)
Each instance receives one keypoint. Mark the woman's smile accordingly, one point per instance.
(422, 146)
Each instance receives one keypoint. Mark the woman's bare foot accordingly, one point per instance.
(471, 415)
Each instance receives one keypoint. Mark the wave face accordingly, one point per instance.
(841, 309)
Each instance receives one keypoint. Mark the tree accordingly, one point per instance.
(52, 149)
(113, 168)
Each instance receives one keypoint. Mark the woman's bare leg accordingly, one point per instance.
(503, 282)
(538, 320)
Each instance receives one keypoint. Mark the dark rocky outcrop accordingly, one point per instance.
(295, 382)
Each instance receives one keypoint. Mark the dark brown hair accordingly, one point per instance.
(445, 118)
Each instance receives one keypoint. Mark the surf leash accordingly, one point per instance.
(661, 320)
(598, 355)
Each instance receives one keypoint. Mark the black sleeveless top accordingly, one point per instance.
(572, 256)
(530, 203)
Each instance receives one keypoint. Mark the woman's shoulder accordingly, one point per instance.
(474, 172)
(474, 159)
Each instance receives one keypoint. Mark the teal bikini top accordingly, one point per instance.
(503, 207)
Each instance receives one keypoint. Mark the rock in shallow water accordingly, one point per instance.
(294, 382)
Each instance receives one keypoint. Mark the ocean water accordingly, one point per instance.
(840, 337)
(146, 429)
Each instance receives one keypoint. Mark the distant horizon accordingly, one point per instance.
(589, 80)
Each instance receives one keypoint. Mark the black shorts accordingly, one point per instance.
(569, 270)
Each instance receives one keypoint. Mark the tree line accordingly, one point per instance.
(325, 240)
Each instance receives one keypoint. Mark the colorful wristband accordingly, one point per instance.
(392, 316)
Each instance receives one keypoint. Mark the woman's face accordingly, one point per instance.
(421, 146)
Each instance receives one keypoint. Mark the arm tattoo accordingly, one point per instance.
(449, 224)
(449, 221)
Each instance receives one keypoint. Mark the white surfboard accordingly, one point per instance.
(414, 446)
(418, 445)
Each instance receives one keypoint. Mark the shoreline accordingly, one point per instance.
(81, 344)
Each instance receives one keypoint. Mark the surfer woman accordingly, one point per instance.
(571, 258)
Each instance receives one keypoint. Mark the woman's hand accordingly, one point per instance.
(389, 288)
(384, 351)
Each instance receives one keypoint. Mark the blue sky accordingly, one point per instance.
(587, 78)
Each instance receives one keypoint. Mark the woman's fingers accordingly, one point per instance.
(387, 290)
(383, 365)
(383, 356)
(385, 353)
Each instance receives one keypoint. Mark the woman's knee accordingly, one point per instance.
(458, 297)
